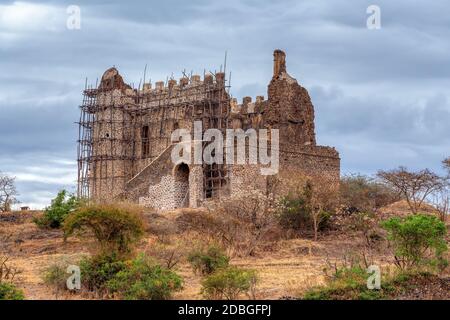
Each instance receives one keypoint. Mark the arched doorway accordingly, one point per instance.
(181, 185)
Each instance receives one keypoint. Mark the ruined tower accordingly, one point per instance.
(290, 109)
(107, 122)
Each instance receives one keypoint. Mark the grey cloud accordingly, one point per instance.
(381, 132)
(383, 118)
(381, 97)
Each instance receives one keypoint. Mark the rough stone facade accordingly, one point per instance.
(125, 142)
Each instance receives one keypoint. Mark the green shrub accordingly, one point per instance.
(209, 260)
(9, 292)
(142, 279)
(138, 279)
(60, 207)
(351, 284)
(229, 283)
(96, 271)
(351, 277)
(116, 227)
(348, 283)
(418, 240)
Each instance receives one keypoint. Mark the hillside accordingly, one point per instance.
(286, 268)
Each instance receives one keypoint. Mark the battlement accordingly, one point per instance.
(210, 81)
(247, 106)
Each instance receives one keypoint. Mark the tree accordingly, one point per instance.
(415, 187)
(244, 221)
(441, 202)
(322, 197)
(446, 163)
(441, 198)
(8, 192)
(61, 206)
(309, 203)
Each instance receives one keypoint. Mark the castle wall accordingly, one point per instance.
(307, 162)
(246, 178)
(157, 186)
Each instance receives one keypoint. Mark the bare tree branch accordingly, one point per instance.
(8, 192)
(415, 187)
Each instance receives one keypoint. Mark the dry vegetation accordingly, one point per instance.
(286, 267)
(304, 244)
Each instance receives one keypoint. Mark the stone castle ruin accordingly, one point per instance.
(124, 145)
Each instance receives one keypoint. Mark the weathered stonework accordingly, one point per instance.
(125, 138)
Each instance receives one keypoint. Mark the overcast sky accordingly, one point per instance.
(381, 97)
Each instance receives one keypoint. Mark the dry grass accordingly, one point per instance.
(288, 269)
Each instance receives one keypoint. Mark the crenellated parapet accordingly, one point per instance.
(248, 114)
(185, 83)
(185, 90)
(248, 106)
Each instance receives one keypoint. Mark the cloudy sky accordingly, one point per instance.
(382, 97)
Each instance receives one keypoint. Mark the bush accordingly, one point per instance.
(295, 211)
(9, 292)
(351, 284)
(60, 207)
(242, 224)
(229, 283)
(144, 280)
(351, 276)
(138, 279)
(246, 222)
(55, 276)
(117, 228)
(167, 255)
(359, 193)
(418, 240)
(361, 222)
(96, 271)
(348, 283)
(207, 262)
(7, 271)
